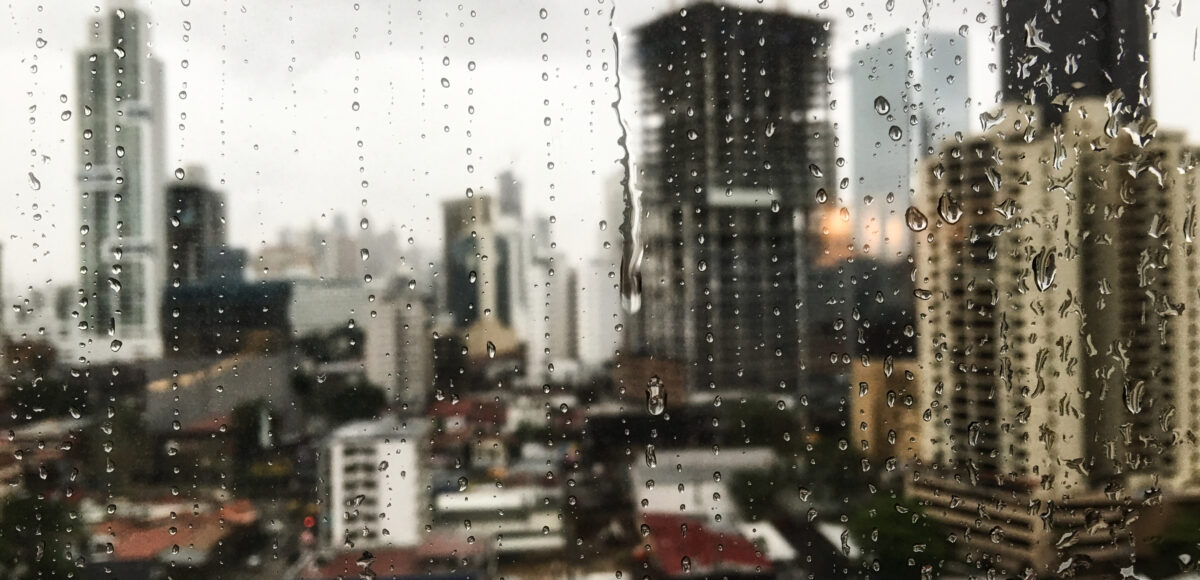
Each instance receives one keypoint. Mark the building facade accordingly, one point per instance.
(121, 179)
(374, 484)
(1058, 318)
(734, 156)
(196, 233)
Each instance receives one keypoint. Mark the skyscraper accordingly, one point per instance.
(1083, 48)
(484, 295)
(1058, 351)
(908, 94)
(737, 143)
(121, 179)
(196, 231)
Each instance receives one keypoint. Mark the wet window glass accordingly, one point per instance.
(770, 289)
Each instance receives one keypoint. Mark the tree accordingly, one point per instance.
(44, 398)
(350, 402)
(36, 539)
(897, 538)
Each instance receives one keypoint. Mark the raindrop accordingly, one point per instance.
(34, 183)
(949, 209)
(364, 254)
(115, 345)
(364, 224)
(1133, 395)
(462, 483)
(882, 106)
(179, 173)
(656, 396)
(915, 219)
(491, 349)
(1043, 269)
(895, 133)
(651, 458)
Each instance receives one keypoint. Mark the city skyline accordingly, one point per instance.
(257, 183)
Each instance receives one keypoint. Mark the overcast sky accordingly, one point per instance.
(449, 94)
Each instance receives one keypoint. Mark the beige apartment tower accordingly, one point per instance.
(1060, 350)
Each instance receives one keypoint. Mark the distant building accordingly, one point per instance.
(214, 318)
(1080, 49)
(48, 314)
(909, 92)
(511, 201)
(398, 355)
(337, 252)
(735, 155)
(196, 231)
(484, 254)
(373, 484)
(600, 312)
(121, 178)
(554, 318)
(519, 521)
(885, 411)
(1058, 314)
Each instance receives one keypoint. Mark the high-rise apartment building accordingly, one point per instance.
(736, 143)
(1085, 49)
(121, 179)
(1058, 320)
(909, 91)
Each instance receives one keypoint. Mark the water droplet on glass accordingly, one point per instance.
(364, 224)
(179, 173)
(34, 183)
(915, 219)
(1043, 269)
(895, 133)
(949, 209)
(882, 106)
(656, 396)
(651, 458)
(1133, 395)
(462, 483)
(491, 349)
(115, 345)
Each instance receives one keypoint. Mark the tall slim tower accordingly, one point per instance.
(121, 179)
(737, 142)
(908, 94)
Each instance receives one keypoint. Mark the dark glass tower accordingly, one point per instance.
(1086, 48)
(737, 143)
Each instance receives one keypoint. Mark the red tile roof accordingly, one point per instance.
(384, 562)
(139, 540)
(707, 550)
